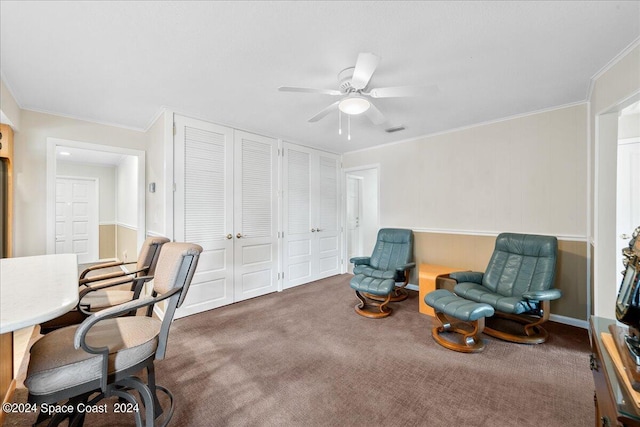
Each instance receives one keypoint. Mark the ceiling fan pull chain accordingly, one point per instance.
(339, 122)
(349, 127)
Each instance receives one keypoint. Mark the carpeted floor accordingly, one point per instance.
(303, 357)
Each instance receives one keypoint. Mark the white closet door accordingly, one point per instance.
(256, 215)
(328, 226)
(204, 209)
(298, 218)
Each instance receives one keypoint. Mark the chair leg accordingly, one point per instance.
(383, 310)
(534, 333)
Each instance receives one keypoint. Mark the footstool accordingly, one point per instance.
(470, 317)
(380, 287)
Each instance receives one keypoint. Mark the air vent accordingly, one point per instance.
(394, 129)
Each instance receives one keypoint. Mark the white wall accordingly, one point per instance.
(369, 218)
(30, 168)
(127, 193)
(156, 171)
(526, 174)
(106, 178)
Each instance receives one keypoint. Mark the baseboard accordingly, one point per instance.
(158, 312)
(584, 324)
(413, 287)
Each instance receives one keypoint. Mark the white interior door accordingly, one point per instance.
(77, 218)
(256, 215)
(328, 224)
(203, 209)
(297, 216)
(628, 196)
(354, 240)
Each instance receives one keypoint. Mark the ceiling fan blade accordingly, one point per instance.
(324, 112)
(403, 91)
(309, 90)
(365, 66)
(375, 115)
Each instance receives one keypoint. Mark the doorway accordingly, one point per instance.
(362, 213)
(118, 206)
(628, 179)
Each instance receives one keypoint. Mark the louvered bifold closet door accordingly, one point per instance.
(328, 226)
(300, 252)
(256, 215)
(203, 209)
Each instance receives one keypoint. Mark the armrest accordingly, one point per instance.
(467, 276)
(548, 295)
(101, 266)
(136, 286)
(100, 277)
(405, 267)
(359, 260)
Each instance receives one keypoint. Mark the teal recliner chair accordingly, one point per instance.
(376, 276)
(517, 284)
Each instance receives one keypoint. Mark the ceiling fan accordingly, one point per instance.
(353, 84)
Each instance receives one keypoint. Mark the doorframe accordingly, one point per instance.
(604, 208)
(52, 144)
(96, 229)
(360, 181)
(345, 172)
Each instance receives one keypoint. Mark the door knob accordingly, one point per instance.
(229, 236)
(313, 230)
(239, 235)
(318, 230)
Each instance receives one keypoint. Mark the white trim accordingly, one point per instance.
(168, 170)
(567, 238)
(413, 287)
(82, 119)
(589, 200)
(616, 106)
(152, 233)
(51, 177)
(124, 225)
(471, 126)
(579, 323)
(624, 52)
(158, 312)
(633, 140)
(107, 223)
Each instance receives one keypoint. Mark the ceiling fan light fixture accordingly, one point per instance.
(354, 105)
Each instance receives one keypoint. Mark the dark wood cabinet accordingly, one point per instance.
(613, 407)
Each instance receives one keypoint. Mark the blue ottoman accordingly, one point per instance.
(379, 287)
(469, 315)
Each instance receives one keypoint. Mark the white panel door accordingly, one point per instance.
(256, 215)
(203, 206)
(77, 218)
(328, 224)
(299, 250)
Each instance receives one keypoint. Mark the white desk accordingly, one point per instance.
(36, 289)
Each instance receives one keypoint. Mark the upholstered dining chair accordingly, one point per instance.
(99, 289)
(517, 283)
(82, 364)
(375, 277)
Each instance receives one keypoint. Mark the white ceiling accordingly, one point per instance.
(121, 62)
(80, 155)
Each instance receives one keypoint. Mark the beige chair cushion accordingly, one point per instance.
(55, 365)
(106, 298)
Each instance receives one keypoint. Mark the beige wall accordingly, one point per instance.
(126, 243)
(610, 88)
(525, 174)
(107, 248)
(30, 168)
(9, 107)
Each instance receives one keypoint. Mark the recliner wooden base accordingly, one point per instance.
(383, 310)
(397, 294)
(470, 342)
(533, 332)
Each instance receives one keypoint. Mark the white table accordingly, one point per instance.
(36, 289)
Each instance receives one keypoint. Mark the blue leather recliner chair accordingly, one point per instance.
(517, 283)
(376, 276)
